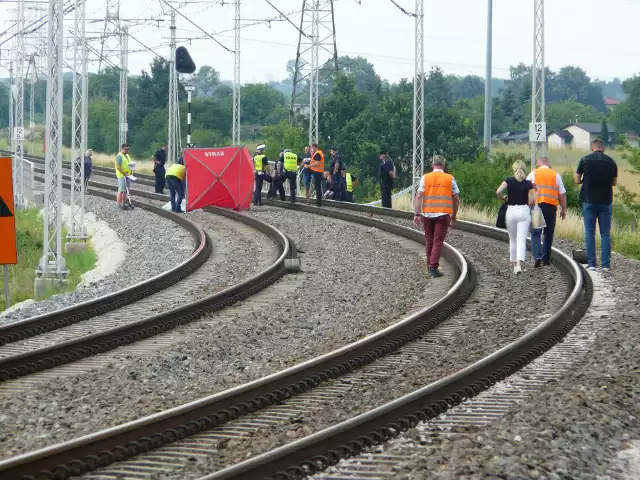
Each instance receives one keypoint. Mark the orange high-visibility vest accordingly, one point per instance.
(547, 186)
(317, 166)
(438, 193)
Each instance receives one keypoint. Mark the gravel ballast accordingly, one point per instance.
(582, 426)
(488, 321)
(154, 245)
(303, 315)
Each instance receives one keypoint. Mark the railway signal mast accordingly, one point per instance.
(236, 78)
(538, 126)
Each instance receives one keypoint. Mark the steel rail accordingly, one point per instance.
(15, 366)
(327, 447)
(120, 442)
(39, 324)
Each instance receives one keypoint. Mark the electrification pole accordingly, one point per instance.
(18, 127)
(172, 144)
(538, 126)
(32, 99)
(77, 235)
(236, 80)
(124, 86)
(317, 34)
(11, 114)
(315, 73)
(418, 99)
(488, 100)
(52, 268)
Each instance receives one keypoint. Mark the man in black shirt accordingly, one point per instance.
(336, 171)
(386, 173)
(597, 173)
(159, 159)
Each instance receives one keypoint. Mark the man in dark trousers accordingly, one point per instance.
(350, 182)
(386, 173)
(159, 160)
(290, 164)
(260, 163)
(336, 170)
(598, 174)
(317, 170)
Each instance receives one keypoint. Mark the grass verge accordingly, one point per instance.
(625, 240)
(29, 235)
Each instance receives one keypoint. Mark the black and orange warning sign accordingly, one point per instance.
(8, 250)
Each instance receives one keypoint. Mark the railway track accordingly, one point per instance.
(100, 325)
(229, 409)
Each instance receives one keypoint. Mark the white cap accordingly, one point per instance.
(261, 147)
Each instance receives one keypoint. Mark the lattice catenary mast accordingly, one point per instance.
(124, 86)
(418, 99)
(538, 134)
(17, 133)
(236, 78)
(488, 100)
(77, 228)
(317, 34)
(52, 264)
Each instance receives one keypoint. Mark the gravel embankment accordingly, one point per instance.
(335, 300)
(154, 245)
(496, 320)
(576, 427)
(584, 426)
(226, 266)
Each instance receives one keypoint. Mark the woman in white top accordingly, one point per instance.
(520, 195)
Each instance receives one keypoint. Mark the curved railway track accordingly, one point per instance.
(348, 438)
(26, 357)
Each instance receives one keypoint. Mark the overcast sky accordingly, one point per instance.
(600, 36)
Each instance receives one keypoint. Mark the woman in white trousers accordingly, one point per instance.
(520, 195)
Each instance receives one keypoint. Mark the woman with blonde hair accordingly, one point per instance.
(520, 195)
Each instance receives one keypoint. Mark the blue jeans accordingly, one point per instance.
(176, 193)
(540, 251)
(601, 213)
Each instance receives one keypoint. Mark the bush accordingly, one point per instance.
(573, 190)
(479, 180)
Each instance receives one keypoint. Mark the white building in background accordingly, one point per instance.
(578, 136)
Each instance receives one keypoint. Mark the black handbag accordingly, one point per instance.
(501, 222)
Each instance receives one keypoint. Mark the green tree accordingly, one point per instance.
(205, 81)
(261, 104)
(282, 135)
(627, 114)
(561, 114)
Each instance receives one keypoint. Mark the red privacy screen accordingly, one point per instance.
(221, 177)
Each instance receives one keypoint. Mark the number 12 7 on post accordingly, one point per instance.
(538, 132)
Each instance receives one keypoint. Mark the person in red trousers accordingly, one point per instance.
(436, 206)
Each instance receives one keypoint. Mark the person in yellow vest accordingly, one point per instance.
(436, 207)
(260, 163)
(350, 182)
(123, 159)
(175, 177)
(550, 193)
(290, 164)
(317, 170)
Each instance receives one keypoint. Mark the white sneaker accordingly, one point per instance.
(517, 269)
(592, 269)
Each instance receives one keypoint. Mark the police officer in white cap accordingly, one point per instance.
(260, 164)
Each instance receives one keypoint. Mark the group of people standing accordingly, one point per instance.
(437, 201)
(336, 184)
